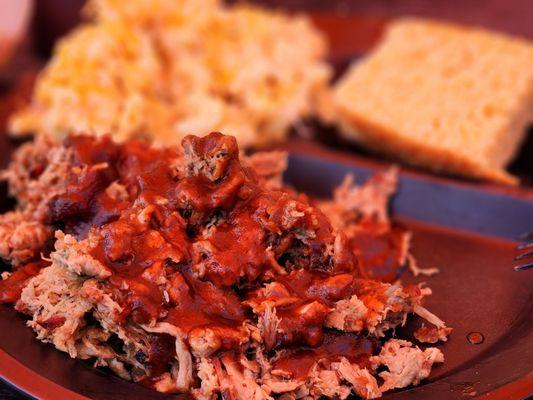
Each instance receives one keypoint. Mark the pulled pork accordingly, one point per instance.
(194, 270)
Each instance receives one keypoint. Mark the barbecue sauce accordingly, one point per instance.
(11, 287)
(188, 237)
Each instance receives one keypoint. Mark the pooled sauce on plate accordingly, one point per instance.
(355, 348)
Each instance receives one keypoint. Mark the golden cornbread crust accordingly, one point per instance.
(441, 96)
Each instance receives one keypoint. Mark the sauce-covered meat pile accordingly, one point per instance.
(193, 270)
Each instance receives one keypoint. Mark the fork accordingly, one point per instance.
(525, 252)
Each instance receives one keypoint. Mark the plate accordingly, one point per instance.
(465, 231)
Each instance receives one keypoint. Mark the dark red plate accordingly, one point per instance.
(465, 231)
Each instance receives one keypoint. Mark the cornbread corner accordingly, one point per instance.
(449, 98)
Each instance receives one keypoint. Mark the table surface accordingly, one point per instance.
(511, 16)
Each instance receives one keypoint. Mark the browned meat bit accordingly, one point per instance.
(106, 179)
(432, 334)
(213, 178)
(299, 235)
(209, 157)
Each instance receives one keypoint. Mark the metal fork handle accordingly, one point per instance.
(524, 255)
(524, 246)
(523, 267)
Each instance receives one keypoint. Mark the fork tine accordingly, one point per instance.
(526, 237)
(525, 245)
(524, 255)
(523, 266)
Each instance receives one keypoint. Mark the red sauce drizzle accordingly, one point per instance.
(11, 288)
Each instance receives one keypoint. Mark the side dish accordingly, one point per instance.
(173, 68)
(445, 97)
(193, 269)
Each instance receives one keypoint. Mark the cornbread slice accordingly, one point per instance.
(441, 96)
